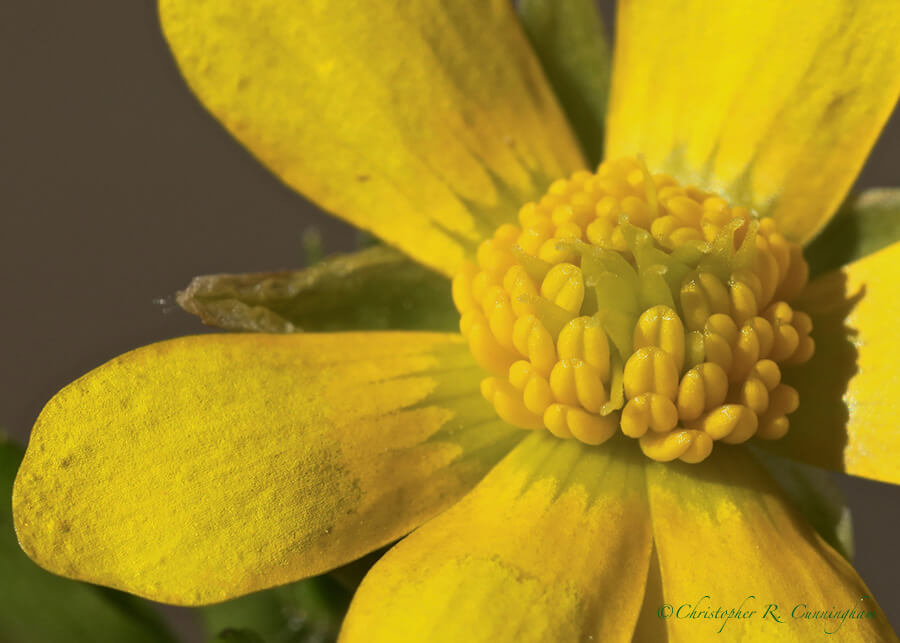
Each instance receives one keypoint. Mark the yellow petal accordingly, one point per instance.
(202, 468)
(775, 104)
(850, 390)
(553, 545)
(428, 123)
(727, 539)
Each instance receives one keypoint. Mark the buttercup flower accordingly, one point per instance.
(576, 464)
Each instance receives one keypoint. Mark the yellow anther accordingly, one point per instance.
(580, 176)
(556, 420)
(520, 373)
(778, 247)
(696, 193)
(718, 350)
(533, 341)
(806, 346)
(651, 370)
(784, 399)
(732, 423)
(663, 228)
(764, 334)
(670, 191)
(508, 403)
(766, 268)
(570, 421)
(462, 287)
(767, 371)
(550, 201)
(480, 285)
(494, 256)
(559, 187)
(797, 275)
(521, 288)
(617, 240)
(802, 322)
(536, 393)
(529, 215)
(487, 351)
(722, 325)
(533, 238)
(684, 235)
(637, 211)
(614, 187)
(678, 444)
(755, 395)
(661, 326)
(773, 427)
(625, 301)
(554, 252)
(694, 350)
(700, 448)
(500, 315)
(785, 343)
(590, 428)
(599, 233)
(648, 411)
(607, 208)
(575, 382)
(701, 296)
(564, 286)
(702, 389)
(774, 424)
(582, 205)
(569, 230)
(583, 338)
(745, 353)
(685, 209)
(743, 300)
(562, 214)
(716, 206)
(779, 313)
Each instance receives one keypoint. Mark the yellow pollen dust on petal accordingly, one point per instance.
(623, 302)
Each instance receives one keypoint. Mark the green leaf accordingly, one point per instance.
(815, 494)
(39, 607)
(866, 222)
(376, 288)
(570, 41)
(302, 612)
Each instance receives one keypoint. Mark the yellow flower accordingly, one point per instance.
(203, 468)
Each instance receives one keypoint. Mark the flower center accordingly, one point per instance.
(626, 301)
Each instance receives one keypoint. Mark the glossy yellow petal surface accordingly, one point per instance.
(849, 415)
(553, 545)
(202, 468)
(726, 538)
(774, 104)
(426, 122)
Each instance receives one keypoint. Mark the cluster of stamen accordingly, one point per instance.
(624, 301)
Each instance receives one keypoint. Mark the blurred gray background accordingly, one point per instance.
(116, 188)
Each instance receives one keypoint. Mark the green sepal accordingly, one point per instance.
(865, 223)
(570, 41)
(40, 607)
(815, 494)
(376, 288)
(302, 612)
